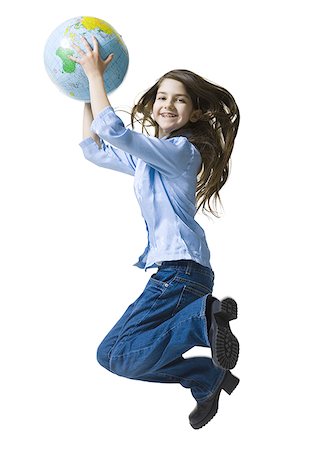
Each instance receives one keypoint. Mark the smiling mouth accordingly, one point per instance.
(168, 115)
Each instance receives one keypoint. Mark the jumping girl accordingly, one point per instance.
(176, 172)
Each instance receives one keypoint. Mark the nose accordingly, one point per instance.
(169, 104)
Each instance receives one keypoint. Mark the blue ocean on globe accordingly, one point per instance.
(68, 75)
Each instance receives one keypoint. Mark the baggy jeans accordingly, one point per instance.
(167, 320)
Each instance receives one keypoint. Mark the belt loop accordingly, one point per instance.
(188, 268)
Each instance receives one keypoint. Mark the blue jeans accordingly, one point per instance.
(167, 320)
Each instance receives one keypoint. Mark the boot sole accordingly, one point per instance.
(226, 348)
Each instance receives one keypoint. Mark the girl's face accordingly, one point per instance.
(173, 107)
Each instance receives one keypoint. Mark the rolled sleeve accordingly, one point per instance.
(108, 157)
(108, 118)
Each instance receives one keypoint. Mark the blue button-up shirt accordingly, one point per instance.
(165, 178)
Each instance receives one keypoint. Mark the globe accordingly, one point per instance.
(68, 75)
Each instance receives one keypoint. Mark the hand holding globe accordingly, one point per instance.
(62, 55)
(90, 61)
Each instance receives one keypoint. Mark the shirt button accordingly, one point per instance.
(166, 284)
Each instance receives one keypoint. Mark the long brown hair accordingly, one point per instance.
(213, 134)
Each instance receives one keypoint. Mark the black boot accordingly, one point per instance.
(206, 410)
(224, 345)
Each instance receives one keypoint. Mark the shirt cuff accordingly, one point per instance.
(107, 122)
(87, 142)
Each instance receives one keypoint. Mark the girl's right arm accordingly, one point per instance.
(99, 152)
(87, 121)
(171, 157)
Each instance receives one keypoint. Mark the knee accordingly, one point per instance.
(126, 366)
(102, 356)
(115, 364)
(118, 366)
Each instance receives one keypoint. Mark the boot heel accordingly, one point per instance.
(229, 308)
(229, 383)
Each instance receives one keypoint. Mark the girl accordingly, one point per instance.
(175, 173)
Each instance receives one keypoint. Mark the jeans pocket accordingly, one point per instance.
(164, 277)
(188, 295)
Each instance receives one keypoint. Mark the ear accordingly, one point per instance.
(195, 116)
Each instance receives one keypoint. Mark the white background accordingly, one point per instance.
(71, 231)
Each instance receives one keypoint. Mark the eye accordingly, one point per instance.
(181, 100)
(160, 97)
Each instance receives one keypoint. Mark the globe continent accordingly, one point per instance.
(68, 75)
